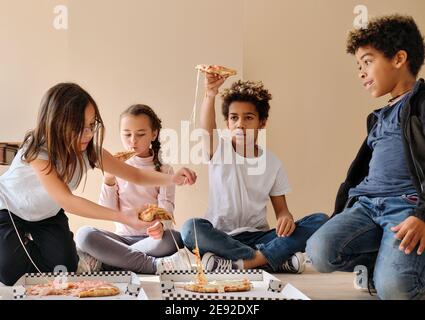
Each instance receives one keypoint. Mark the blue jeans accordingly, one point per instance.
(243, 246)
(361, 235)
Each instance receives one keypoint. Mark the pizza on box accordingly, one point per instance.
(214, 69)
(80, 289)
(202, 285)
(219, 286)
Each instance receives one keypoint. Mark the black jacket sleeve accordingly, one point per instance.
(419, 211)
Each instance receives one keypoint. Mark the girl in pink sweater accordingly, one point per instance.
(128, 248)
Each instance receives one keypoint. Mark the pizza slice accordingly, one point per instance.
(219, 286)
(154, 212)
(220, 70)
(81, 289)
(201, 283)
(106, 290)
(125, 155)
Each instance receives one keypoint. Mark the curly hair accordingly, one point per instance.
(156, 124)
(247, 91)
(390, 34)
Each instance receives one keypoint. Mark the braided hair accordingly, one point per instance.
(156, 124)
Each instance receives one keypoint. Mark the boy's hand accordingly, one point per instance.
(212, 83)
(184, 176)
(285, 225)
(156, 230)
(411, 232)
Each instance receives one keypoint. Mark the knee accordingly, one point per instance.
(65, 258)
(85, 238)
(321, 251)
(177, 237)
(167, 246)
(397, 286)
(188, 233)
(319, 218)
(316, 220)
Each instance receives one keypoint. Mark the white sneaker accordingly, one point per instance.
(363, 281)
(182, 260)
(212, 262)
(87, 263)
(295, 264)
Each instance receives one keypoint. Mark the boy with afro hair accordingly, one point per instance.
(379, 217)
(235, 233)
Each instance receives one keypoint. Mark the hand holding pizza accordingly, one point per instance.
(110, 179)
(214, 77)
(213, 82)
(131, 218)
(156, 230)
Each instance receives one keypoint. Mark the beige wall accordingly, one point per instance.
(318, 116)
(131, 51)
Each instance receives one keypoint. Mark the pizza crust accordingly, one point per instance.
(220, 70)
(105, 291)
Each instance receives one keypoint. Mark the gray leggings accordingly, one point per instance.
(133, 253)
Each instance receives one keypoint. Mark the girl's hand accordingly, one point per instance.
(411, 232)
(212, 83)
(109, 179)
(285, 225)
(184, 176)
(156, 230)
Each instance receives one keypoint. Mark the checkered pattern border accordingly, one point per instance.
(133, 290)
(191, 272)
(74, 274)
(275, 286)
(180, 296)
(18, 296)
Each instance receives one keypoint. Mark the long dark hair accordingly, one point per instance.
(59, 127)
(156, 125)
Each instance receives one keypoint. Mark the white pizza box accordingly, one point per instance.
(264, 286)
(127, 281)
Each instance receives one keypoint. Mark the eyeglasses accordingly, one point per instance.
(92, 130)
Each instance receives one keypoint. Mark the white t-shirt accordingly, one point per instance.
(240, 188)
(23, 193)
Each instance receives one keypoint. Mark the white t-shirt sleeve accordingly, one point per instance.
(281, 184)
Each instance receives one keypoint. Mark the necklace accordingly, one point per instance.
(398, 96)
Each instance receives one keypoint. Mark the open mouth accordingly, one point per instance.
(368, 84)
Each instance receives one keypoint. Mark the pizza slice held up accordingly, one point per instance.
(220, 70)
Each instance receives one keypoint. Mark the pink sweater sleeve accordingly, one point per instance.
(109, 196)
